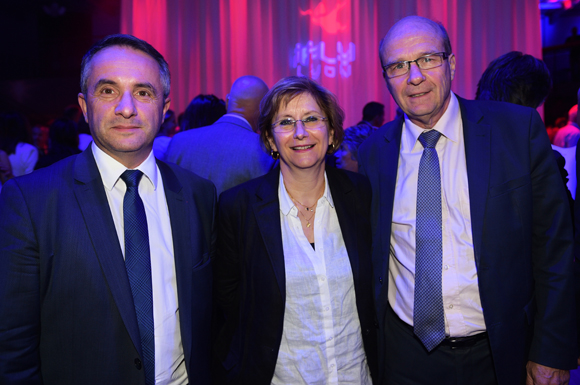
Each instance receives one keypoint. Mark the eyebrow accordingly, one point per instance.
(145, 85)
(424, 53)
(306, 113)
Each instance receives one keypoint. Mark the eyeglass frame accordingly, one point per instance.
(295, 123)
(444, 56)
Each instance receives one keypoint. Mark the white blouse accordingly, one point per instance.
(322, 341)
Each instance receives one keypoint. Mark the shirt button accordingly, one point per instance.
(330, 339)
(380, 279)
(446, 267)
(138, 363)
(451, 306)
(326, 308)
(322, 279)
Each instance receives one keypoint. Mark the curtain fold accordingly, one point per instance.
(208, 44)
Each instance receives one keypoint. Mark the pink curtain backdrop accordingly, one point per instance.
(209, 44)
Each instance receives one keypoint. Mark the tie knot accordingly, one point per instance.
(131, 177)
(429, 138)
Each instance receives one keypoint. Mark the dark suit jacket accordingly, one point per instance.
(228, 152)
(66, 309)
(521, 232)
(250, 277)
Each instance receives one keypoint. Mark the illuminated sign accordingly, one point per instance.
(310, 60)
(327, 20)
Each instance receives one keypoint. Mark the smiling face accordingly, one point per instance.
(124, 105)
(300, 148)
(422, 94)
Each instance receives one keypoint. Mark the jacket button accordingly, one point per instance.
(138, 364)
(367, 332)
(380, 280)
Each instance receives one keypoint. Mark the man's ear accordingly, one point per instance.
(83, 104)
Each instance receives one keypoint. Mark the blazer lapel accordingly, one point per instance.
(184, 233)
(92, 200)
(389, 161)
(341, 190)
(477, 154)
(267, 211)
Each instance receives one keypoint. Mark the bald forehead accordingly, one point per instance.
(409, 26)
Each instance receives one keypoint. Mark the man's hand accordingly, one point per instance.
(543, 375)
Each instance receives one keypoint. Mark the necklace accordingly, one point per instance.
(313, 211)
(308, 224)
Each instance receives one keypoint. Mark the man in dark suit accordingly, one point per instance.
(105, 267)
(472, 250)
(228, 152)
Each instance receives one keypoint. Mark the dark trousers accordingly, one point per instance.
(407, 362)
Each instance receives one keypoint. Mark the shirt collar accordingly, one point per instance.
(448, 125)
(286, 203)
(111, 170)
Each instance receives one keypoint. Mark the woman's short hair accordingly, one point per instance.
(354, 136)
(287, 89)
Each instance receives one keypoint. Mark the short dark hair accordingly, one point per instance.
(203, 110)
(515, 78)
(287, 89)
(130, 41)
(373, 109)
(354, 136)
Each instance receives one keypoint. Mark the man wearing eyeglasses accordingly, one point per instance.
(472, 247)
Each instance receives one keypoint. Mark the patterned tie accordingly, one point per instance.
(138, 264)
(428, 318)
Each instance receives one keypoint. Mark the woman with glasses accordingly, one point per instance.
(293, 268)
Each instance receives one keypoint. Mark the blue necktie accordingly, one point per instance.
(138, 264)
(428, 318)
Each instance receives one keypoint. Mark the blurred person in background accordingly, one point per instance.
(347, 154)
(166, 132)
(63, 142)
(373, 115)
(203, 110)
(15, 140)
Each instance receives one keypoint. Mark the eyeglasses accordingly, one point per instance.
(426, 62)
(311, 123)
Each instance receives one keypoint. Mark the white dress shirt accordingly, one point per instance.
(169, 358)
(461, 301)
(321, 341)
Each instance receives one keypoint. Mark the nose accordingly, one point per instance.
(415, 75)
(126, 106)
(300, 132)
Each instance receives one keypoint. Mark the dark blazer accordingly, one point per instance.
(66, 310)
(249, 273)
(228, 152)
(522, 233)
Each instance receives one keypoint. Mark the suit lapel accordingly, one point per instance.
(477, 154)
(184, 233)
(267, 211)
(389, 161)
(92, 200)
(341, 190)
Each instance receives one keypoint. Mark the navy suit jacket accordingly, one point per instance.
(522, 232)
(66, 309)
(228, 152)
(250, 273)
